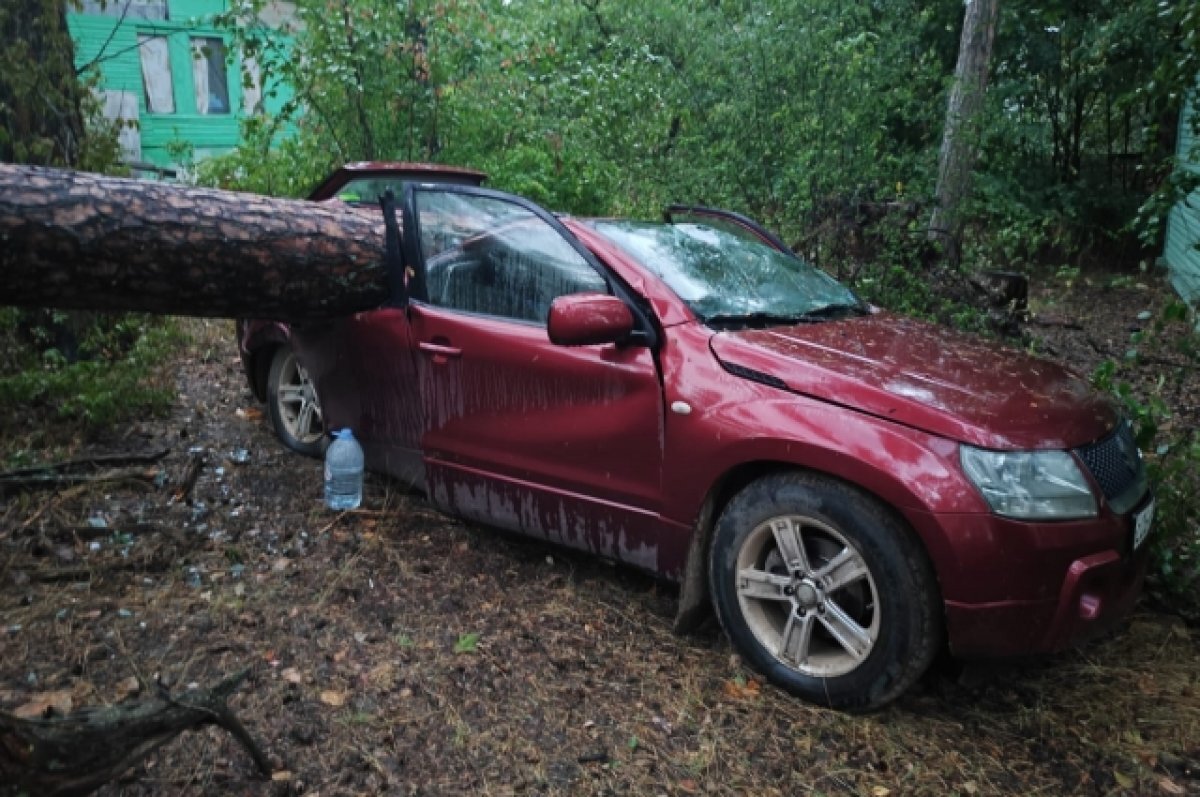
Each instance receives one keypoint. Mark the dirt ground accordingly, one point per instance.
(393, 650)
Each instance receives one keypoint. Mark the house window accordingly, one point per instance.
(126, 9)
(156, 74)
(209, 77)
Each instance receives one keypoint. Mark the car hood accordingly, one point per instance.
(928, 377)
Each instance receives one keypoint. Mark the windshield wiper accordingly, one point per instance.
(836, 310)
(758, 320)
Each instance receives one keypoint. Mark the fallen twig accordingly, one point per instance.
(184, 493)
(1054, 321)
(86, 463)
(41, 480)
(76, 754)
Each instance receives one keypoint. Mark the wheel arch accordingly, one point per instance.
(695, 600)
(260, 369)
(258, 344)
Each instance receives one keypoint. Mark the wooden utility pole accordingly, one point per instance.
(961, 132)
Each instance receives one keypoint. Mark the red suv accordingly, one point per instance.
(849, 489)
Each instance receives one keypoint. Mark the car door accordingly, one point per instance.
(365, 373)
(560, 442)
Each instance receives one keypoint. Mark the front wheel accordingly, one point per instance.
(292, 404)
(824, 591)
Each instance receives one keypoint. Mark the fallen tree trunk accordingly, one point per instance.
(83, 241)
(76, 754)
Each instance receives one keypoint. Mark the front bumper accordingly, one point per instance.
(1097, 592)
(1013, 588)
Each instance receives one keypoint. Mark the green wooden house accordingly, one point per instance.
(1183, 223)
(165, 68)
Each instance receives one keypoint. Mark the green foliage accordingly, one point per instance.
(1173, 462)
(106, 371)
(48, 115)
(268, 162)
(467, 643)
(781, 110)
(1082, 113)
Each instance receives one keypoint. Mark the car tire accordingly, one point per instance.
(824, 590)
(292, 405)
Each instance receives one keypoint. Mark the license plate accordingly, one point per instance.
(1141, 524)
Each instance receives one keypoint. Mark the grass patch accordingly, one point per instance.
(63, 376)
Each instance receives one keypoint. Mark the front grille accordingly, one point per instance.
(1114, 462)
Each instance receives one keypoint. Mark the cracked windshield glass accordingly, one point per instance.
(727, 279)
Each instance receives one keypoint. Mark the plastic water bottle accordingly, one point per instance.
(343, 471)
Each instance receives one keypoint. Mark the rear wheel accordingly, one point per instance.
(292, 405)
(824, 591)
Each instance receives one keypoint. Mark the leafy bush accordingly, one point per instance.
(1173, 462)
(91, 371)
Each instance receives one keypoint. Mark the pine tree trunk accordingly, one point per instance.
(961, 132)
(72, 240)
(41, 120)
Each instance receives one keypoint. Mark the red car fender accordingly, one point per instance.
(714, 446)
(256, 339)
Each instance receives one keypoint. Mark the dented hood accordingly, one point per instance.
(928, 377)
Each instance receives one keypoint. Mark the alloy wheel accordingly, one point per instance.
(807, 596)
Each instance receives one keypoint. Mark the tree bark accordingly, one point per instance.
(41, 120)
(961, 132)
(72, 240)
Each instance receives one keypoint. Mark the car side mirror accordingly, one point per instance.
(587, 319)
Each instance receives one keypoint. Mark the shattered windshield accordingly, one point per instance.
(730, 280)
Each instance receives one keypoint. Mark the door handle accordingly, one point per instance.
(440, 352)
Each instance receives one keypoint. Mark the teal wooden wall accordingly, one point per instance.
(1183, 222)
(111, 43)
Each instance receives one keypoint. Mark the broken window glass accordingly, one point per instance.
(727, 277)
(490, 256)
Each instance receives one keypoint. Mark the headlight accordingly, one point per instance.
(1030, 485)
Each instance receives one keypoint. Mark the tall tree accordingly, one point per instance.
(41, 98)
(960, 135)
